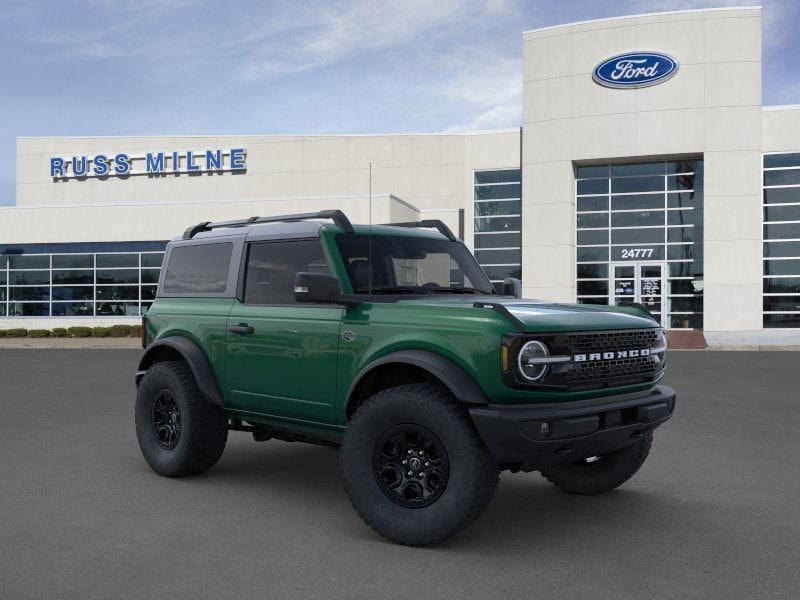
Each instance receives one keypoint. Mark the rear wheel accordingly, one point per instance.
(179, 432)
(413, 466)
(599, 474)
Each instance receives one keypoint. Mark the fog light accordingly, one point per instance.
(545, 428)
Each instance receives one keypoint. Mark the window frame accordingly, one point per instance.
(768, 316)
(245, 260)
(233, 268)
(604, 204)
(476, 174)
(140, 304)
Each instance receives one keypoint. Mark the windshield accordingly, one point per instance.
(403, 264)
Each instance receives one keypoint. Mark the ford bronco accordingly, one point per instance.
(390, 343)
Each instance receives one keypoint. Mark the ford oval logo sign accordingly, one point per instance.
(635, 70)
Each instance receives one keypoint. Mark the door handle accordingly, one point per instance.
(243, 329)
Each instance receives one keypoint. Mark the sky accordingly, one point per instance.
(172, 67)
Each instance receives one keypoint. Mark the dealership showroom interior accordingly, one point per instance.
(683, 195)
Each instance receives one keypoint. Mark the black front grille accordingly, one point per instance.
(606, 341)
(612, 371)
(605, 371)
(592, 370)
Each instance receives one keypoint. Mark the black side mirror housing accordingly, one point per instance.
(512, 287)
(319, 288)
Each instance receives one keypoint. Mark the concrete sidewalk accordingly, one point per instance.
(764, 339)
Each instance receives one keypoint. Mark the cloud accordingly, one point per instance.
(323, 37)
(497, 117)
(493, 96)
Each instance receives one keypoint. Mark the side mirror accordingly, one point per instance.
(512, 287)
(319, 288)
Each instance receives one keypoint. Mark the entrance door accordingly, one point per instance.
(641, 282)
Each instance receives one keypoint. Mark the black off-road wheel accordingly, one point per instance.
(179, 432)
(414, 467)
(600, 474)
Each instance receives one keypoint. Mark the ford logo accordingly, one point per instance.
(635, 70)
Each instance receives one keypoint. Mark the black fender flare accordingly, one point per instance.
(454, 378)
(194, 357)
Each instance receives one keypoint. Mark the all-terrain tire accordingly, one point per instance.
(473, 474)
(602, 475)
(203, 427)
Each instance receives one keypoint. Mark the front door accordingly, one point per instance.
(282, 355)
(641, 282)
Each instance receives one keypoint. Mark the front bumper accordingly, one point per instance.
(535, 436)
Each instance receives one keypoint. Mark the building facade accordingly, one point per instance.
(645, 169)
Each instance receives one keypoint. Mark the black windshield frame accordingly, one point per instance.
(384, 252)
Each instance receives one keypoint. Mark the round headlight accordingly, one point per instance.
(527, 364)
(661, 347)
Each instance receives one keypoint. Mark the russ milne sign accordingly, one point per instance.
(152, 163)
(635, 70)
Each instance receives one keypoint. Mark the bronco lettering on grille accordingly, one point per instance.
(610, 355)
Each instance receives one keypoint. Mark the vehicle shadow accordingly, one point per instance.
(527, 513)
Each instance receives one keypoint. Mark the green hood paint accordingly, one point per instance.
(545, 316)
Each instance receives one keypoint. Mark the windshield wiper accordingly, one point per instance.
(391, 289)
(458, 290)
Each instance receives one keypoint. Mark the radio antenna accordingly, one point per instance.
(369, 236)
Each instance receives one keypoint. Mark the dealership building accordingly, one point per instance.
(645, 169)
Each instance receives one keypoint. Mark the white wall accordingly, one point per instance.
(432, 173)
(429, 171)
(712, 106)
(780, 128)
(141, 222)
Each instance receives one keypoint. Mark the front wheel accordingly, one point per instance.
(599, 474)
(414, 467)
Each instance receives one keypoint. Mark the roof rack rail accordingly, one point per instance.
(435, 223)
(337, 216)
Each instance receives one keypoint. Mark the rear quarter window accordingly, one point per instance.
(198, 269)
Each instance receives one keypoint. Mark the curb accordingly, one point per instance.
(71, 343)
(755, 347)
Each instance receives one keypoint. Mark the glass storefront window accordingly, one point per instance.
(117, 292)
(23, 261)
(79, 283)
(117, 276)
(108, 261)
(73, 261)
(29, 277)
(77, 292)
(151, 260)
(648, 216)
(781, 287)
(29, 293)
(79, 277)
(498, 223)
(72, 309)
(28, 309)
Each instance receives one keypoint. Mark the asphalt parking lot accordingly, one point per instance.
(714, 513)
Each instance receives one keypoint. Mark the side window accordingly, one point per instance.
(198, 269)
(272, 266)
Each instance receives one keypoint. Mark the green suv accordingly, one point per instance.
(390, 343)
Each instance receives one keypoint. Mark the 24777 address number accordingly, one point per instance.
(637, 253)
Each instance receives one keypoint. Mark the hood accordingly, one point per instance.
(539, 315)
(543, 315)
